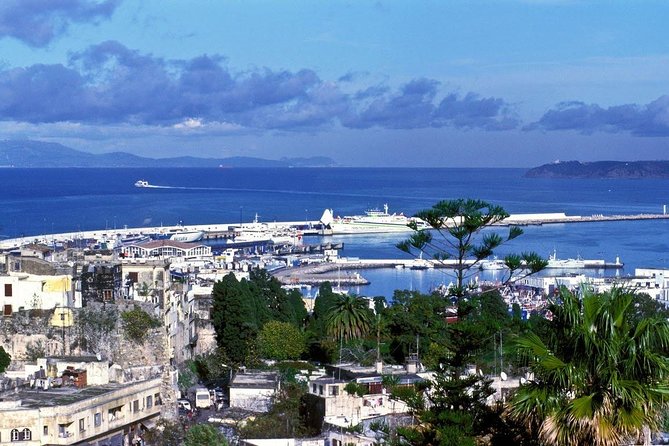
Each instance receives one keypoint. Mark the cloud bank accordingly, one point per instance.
(38, 22)
(640, 120)
(109, 83)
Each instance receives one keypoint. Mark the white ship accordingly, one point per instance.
(142, 183)
(257, 233)
(374, 220)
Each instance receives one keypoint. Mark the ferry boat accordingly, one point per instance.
(142, 183)
(374, 220)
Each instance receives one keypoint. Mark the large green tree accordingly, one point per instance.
(235, 318)
(600, 376)
(462, 234)
(460, 238)
(281, 341)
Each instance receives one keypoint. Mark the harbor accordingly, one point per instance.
(225, 232)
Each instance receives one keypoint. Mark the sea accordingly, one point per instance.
(44, 201)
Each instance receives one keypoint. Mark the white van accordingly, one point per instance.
(202, 398)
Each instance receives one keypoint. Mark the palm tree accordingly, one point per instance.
(348, 318)
(601, 378)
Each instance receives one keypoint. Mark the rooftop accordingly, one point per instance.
(62, 396)
(255, 380)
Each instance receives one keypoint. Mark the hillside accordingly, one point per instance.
(601, 169)
(26, 153)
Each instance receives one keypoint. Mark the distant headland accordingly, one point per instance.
(601, 169)
(28, 153)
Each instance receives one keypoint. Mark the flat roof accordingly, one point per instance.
(255, 380)
(59, 396)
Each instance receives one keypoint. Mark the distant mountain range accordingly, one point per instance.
(44, 154)
(601, 169)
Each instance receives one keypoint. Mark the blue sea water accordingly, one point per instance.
(38, 201)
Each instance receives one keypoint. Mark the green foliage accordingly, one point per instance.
(286, 418)
(235, 319)
(212, 367)
(602, 375)
(204, 435)
(241, 309)
(353, 388)
(458, 235)
(280, 341)
(349, 317)
(5, 359)
(94, 324)
(281, 306)
(137, 323)
(415, 317)
(187, 375)
(456, 412)
(166, 433)
(320, 346)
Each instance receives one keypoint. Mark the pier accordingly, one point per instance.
(222, 231)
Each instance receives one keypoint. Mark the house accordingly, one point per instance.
(254, 390)
(146, 280)
(112, 414)
(372, 398)
(22, 291)
(100, 282)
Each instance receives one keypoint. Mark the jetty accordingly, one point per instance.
(224, 231)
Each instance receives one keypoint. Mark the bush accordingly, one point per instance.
(137, 322)
(5, 359)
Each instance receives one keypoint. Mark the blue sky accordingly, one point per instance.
(510, 83)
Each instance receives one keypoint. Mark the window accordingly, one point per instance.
(8, 290)
(334, 390)
(149, 402)
(97, 419)
(157, 399)
(21, 435)
(82, 426)
(107, 295)
(320, 390)
(45, 431)
(7, 311)
(135, 406)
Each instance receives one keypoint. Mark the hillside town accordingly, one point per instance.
(117, 344)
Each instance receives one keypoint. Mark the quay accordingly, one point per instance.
(222, 231)
(560, 217)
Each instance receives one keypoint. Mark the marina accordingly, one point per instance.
(226, 231)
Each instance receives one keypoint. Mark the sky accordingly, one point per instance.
(415, 83)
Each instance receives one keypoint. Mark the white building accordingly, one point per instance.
(654, 282)
(111, 414)
(23, 291)
(166, 249)
(254, 390)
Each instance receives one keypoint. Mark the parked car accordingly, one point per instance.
(184, 404)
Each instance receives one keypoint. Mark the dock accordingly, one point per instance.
(222, 231)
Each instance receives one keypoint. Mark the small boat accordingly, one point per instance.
(142, 183)
(493, 265)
